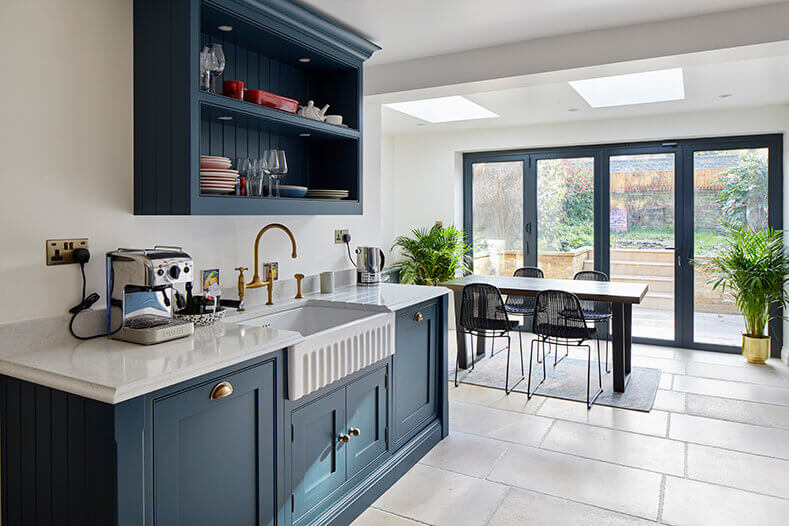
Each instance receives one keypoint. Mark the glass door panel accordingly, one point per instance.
(497, 208)
(565, 216)
(728, 186)
(642, 236)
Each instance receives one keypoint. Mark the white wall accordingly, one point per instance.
(67, 162)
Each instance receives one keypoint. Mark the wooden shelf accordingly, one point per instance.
(254, 115)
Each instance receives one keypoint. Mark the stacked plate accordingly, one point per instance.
(216, 177)
(316, 193)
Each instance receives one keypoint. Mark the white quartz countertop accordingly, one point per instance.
(43, 352)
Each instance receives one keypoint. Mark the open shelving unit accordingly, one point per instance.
(274, 45)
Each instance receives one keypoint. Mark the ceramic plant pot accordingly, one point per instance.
(756, 349)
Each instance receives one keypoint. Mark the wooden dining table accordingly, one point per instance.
(621, 295)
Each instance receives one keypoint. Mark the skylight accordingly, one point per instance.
(634, 88)
(443, 109)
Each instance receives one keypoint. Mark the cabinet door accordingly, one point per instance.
(366, 404)
(214, 459)
(414, 371)
(318, 454)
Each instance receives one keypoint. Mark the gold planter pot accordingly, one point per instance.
(756, 349)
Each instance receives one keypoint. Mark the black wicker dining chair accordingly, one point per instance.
(523, 305)
(482, 314)
(559, 320)
(597, 311)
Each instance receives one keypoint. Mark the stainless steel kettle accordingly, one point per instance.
(369, 264)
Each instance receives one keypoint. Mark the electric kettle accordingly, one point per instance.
(369, 264)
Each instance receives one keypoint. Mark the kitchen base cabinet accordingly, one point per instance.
(415, 363)
(214, 452)
(228, 447)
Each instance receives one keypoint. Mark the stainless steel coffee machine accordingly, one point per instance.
(369, 264)
(141, 292)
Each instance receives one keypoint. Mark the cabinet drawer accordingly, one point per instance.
(414, 371)
(214, 451)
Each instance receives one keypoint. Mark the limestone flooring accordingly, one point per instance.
(714, 450)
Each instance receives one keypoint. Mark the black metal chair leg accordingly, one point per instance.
(520, 341)
(589, 377)
(529, 392)
(507, 375)
(607, 333)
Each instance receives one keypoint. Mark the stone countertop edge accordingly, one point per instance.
(111, 371)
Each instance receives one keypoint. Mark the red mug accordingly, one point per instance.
(233, 88)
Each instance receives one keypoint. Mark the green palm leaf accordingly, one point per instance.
(432, 255)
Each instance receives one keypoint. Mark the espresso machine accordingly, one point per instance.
(141, 292)
(369, 264)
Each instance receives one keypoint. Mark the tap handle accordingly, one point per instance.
(241, 287)
(298, 277)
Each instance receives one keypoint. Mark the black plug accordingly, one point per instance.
(81, 255)
(346, 238)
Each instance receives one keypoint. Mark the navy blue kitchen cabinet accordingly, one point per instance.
(335, 436)
(215, 453)
(180, 456)
(277, 46)
(414, 367)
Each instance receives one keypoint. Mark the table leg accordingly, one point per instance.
(462, 354)
(621, 335)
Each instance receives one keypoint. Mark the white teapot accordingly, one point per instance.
(312, 112)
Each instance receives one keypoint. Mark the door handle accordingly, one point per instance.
(354, 431)
(528, 228)
(679, 260)
(343, 438)
(418, 316)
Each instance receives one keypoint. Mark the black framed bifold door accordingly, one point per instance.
(641, 212)
(738, 181)
(643, 237)
(495, 195)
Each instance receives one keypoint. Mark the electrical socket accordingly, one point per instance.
(61, 251)
(338, 235)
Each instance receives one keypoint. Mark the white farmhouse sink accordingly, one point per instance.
(339, 339)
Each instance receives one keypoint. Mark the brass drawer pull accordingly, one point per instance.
(418, 316)
(354, 431)
(344, 438)
(221, 390)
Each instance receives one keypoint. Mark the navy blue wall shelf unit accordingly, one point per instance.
(175, 122)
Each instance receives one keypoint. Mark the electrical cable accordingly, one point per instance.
(85, 304)
(348, 246)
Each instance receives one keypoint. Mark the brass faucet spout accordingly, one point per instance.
(256, 281)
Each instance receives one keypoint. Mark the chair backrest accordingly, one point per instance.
(558, 313)
(524, 301)
(529, 272)
(598, 307)
(482, 309)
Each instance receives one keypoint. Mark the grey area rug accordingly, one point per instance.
(567, 380)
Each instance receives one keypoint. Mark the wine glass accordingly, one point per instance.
(217, 64)
(272, 167)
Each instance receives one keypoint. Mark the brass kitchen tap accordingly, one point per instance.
(256, 281)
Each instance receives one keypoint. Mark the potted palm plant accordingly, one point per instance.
(752, 268)
(431, 255)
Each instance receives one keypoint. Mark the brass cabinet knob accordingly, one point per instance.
(418, 316)
(344, 438)
(354, 431)
(221, 390)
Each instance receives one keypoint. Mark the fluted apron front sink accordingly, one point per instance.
(339, 339)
